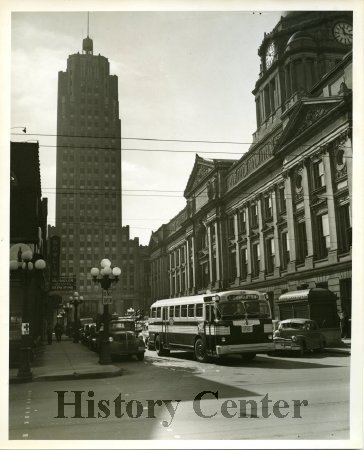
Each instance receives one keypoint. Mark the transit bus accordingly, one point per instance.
(213, 325)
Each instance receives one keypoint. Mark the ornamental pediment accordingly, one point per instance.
(201, 169)
(306, 115)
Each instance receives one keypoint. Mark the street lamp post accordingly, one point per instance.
(105, 277)
(76, 300)
(24, 265)
(67, 308)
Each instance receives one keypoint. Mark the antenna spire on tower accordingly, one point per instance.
(87, 44)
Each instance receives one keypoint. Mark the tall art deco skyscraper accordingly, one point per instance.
(88, 200)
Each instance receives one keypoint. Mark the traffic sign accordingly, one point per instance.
(25, 328)
(106, 298)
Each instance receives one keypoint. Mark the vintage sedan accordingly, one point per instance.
(298, 335)
(124, 340)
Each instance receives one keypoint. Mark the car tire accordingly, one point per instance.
(246, 357)
(159, 347)
(140, 356)
(200, 351)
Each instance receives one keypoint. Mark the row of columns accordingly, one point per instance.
(217, 254)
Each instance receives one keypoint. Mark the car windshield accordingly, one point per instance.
(122, 326)
(250, 308)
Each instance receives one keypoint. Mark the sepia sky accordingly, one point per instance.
(182, 75)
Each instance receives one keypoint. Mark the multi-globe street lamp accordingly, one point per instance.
(105, 277)
(24, 265)
(76, 299)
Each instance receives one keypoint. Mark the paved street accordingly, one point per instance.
(243, 390)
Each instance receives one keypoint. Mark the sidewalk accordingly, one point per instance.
(345, 347)
(67, 361)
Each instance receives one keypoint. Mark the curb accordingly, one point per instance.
(69, 376)
(346, 351)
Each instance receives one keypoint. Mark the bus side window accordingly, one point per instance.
(171, 311)
(159, 313)
(184, 311)
(177, 311)
(153, 314)
(165, 313)
(191, 310)
(199, 310)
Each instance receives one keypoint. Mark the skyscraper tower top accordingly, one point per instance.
(87, 43)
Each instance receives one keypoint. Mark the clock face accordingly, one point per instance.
(343, 33)
(269, 56)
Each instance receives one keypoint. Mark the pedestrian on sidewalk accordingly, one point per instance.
(344, 324)
(49, 334)
(58, 330)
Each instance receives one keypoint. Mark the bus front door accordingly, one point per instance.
(165, 325)
(210, 328)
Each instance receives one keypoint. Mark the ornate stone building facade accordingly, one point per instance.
(278, 219)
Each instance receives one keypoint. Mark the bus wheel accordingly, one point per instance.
(248, 356)
(158, 347)
(200, 351)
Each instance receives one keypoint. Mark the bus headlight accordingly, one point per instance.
(223, 339)
(111, 339)
(270, 336)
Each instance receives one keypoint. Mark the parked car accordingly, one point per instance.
(298, 335)
(123, 339)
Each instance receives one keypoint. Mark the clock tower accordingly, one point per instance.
(294, 56)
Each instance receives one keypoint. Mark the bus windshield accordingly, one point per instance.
(243, 309)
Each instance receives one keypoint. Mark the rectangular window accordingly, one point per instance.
(242, 221)
(184, 311)
(344, 231)
(191, 310)
(159, 313)
(232, 271)
(244, 263)
(154, 312)
(301, 242)
(270, 256)
(322, 236)
(282, 200)
(231, 227)
(272, 95)
(254, 215)
(268, 210)
(199, 310)
(255, 259)
(266, 102)
(171, 311)
(285, 249)
(177, 311)
(318, 174)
